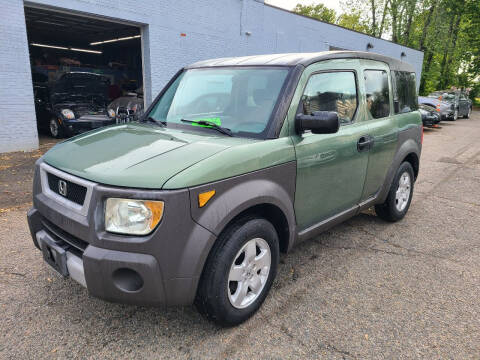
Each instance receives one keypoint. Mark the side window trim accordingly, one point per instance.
(355, 75)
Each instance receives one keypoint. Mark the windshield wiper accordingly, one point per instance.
(211, 125)
(152, 120)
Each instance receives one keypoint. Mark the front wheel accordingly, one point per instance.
(239, 272)
(468, 113)
(455, 115)
(399, 196)
(55, 128)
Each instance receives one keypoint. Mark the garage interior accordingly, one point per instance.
(61, 42)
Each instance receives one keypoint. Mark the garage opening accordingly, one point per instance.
(86, 72)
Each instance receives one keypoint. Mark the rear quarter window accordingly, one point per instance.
(404, 91)
(378, 94)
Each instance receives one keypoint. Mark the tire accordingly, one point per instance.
(467, 116)
(455, 115)
(55, 129)
(219, 298)
(395, 207)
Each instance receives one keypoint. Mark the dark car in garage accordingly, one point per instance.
(41, 93)
(79, 103)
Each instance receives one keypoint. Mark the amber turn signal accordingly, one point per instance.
(203, 198)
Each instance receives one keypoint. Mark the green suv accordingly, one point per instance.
(236, 160)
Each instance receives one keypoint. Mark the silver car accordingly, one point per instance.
(126, 108)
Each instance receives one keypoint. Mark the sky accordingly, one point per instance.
(290, 4)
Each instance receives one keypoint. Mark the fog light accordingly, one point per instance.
(127, 280)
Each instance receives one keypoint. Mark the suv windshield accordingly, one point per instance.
(241, 100)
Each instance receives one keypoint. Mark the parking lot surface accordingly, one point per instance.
(364, 289)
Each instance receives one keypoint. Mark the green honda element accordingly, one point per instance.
(236, 160)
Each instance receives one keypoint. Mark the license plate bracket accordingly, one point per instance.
(54, 254)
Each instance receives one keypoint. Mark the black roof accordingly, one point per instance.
(305, 59)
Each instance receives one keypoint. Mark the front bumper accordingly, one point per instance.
(87, 123)
(428, 121)
(162, 268)
(107, 274)
(446, 116)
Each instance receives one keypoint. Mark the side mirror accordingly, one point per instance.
(319, 122)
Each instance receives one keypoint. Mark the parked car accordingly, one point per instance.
(444, 109)
(194, 203)
(127, 108)
(79, 103)
(462, 105)
(430, 117)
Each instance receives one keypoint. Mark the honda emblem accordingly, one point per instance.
(62, 187)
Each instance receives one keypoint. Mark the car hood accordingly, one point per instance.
(136, 155)
(433, 102)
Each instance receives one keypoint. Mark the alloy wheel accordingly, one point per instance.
(403, 192)
(53, 127)
(249, 273)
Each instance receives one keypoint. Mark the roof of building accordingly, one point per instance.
(305, 59)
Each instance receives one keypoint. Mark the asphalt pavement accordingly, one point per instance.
(364, 289)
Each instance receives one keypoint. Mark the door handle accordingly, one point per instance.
(365, 143)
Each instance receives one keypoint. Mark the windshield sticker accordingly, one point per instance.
(216, 121)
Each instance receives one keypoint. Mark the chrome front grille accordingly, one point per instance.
(67, 189)
(70, 191)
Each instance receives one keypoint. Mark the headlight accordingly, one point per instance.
(132, 217)
(68, 114)
(111, 113)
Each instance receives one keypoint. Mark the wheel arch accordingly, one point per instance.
(413, 159)
(272, 213)
(409, 149)
(268, 193)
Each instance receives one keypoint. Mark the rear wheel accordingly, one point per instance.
(55, 128)
(239, 272)
(399, 196)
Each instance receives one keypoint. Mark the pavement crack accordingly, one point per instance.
(458, 201)
(320, 344)
(12, 273)
(365, 248)
(417, 252)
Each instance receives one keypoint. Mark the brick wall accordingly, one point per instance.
(213, 28)
(18, 130)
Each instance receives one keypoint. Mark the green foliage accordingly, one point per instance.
(318, 11)
(353, 21)
(447, 31)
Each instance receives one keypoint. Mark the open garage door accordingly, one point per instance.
(86, 72)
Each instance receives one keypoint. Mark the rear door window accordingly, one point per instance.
(378, 95)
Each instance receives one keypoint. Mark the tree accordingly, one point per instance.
(447, 31)
(353, 21)
(317, 11)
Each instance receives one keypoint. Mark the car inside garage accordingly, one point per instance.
(86, 71)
